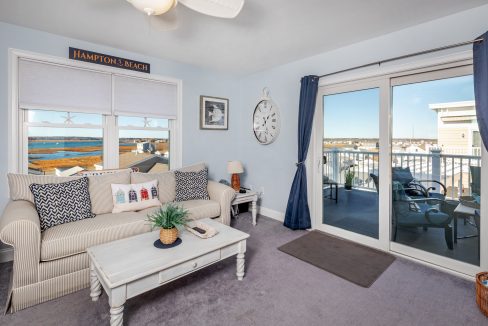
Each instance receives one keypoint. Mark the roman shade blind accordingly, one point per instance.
(62, 88)
(142, 97)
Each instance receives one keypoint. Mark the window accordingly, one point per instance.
(144, 143)
(63, 143)
(67, 117)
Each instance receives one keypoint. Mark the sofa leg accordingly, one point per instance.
(448, 236)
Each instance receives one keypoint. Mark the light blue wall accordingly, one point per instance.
(213, 147)
(273, 166)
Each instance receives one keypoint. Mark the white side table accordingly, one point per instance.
(248, 197)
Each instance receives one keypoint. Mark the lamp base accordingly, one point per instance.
(236, 182)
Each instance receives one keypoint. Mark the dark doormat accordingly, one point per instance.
(351, 261)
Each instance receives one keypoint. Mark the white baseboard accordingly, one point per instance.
(271, 213)
(6, 254)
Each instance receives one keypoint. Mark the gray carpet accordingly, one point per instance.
(354, 262)
(277, 290)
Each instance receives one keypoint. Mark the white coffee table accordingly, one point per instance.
(129, 267)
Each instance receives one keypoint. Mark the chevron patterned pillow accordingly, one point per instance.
(191, 185)
(59, 203)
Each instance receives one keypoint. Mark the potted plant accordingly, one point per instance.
(349, 177)
(168, 218)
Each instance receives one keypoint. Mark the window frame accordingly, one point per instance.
(18, 124)
(386, 77)
(169, 129)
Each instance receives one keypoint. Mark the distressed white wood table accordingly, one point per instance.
(129, 267)
(250, 197)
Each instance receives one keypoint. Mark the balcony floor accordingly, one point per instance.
(357, 211)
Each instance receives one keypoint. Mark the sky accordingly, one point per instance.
(96, 121)
(356, 114)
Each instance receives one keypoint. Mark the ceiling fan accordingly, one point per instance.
(216, 8)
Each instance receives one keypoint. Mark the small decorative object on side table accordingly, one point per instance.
(168, 218)
(247, 197)
(235, 168)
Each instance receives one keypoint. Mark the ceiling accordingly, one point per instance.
(266, 33)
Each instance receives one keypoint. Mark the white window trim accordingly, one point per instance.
(382, 76)
(16, 125)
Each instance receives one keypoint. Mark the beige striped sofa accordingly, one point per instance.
(54, 263)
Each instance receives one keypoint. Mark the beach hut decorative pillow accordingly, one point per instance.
(134, 197)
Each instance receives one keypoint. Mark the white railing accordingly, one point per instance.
(451, 170)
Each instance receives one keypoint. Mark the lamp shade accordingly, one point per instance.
(234, 167)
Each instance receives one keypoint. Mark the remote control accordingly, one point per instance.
(199, 230)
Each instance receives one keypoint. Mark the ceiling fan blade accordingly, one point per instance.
(216, 8)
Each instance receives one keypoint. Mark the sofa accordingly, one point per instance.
(54, 262)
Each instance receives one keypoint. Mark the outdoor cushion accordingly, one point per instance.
(74, 238)
(402, 175)
(197, 209)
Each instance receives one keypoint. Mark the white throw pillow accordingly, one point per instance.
(135, 197)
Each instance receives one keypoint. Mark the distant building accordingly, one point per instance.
(145, 147)
(457, 128)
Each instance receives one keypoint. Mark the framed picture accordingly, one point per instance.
(214, 113)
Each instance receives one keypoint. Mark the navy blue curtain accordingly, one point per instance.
(297, 214)
(480, 66)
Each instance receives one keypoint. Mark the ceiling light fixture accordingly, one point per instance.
(153, 7)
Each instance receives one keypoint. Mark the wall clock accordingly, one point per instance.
(266, 119)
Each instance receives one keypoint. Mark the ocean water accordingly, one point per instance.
(62, 153)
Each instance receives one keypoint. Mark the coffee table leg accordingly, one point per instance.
(95, 286)
(117, 299)
(241, 260)
(117, 316)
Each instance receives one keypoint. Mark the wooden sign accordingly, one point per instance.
(108, 60)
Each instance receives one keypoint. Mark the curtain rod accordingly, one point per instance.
(378, 63)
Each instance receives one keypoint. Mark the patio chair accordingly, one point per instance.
(420, 212)
(475, 179)
(414, 188)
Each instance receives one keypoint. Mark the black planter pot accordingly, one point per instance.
(348, 187)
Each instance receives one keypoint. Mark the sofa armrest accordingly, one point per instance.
(223, 195)
(20, 228)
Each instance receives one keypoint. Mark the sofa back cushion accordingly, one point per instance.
(101, 190)
(59, 203)
(166, 180)
(19, 184)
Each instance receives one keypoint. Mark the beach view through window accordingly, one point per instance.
(65, 143)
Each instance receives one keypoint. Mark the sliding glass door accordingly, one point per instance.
(397, 165)
(436, 165)
(350, 149)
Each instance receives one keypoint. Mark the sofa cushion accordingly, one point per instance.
(19, 184)
(166, 181)
(101, 190)
(197, 209)
(74, 238)
(191, 185)
(59, 203)
(135, 196)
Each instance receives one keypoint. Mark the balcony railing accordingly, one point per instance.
(452, 170)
